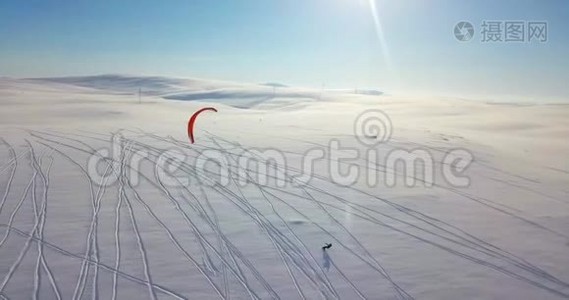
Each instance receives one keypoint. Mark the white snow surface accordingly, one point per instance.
(65, 234)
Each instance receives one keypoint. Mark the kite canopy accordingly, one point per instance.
(192, 121)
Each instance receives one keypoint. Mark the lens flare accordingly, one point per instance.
(379, 33)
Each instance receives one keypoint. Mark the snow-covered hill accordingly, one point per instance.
(104, 197)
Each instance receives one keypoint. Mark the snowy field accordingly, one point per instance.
(103, 196)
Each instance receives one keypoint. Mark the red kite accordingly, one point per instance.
(193, 120)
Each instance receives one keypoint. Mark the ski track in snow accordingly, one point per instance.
(203, 245)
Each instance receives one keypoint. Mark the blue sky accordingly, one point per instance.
(299, 42)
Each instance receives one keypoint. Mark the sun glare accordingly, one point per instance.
(379, 32)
